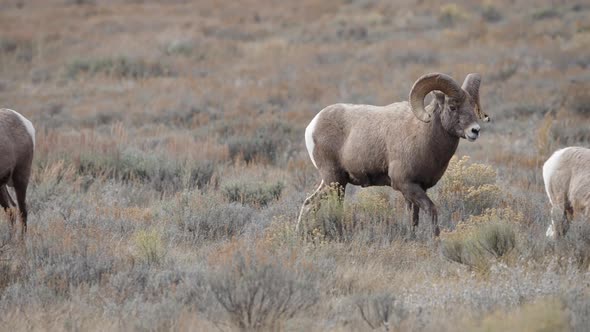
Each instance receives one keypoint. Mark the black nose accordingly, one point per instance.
(475, 130)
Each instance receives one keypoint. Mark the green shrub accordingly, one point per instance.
(475, 247)
(148, 246)
(253, 193)
(467, 189)
(497, 239)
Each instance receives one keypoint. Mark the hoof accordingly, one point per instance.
(436, 231)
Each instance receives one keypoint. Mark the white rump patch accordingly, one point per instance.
(549, 168)
(27, 123)
(309, 138)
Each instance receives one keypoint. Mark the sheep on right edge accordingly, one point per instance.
(567, 180)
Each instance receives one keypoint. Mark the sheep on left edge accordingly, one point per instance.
(17, 145)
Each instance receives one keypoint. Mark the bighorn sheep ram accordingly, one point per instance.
(567, 180)
(17, 144)
(403, 145)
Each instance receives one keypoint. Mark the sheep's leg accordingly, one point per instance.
(414, 211)
(20, 188)
(305, 208)
(7, 203)
(415, 194)
(556, 215)
(339, 187)
(560, 221)
(568, 215)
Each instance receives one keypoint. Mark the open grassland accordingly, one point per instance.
(170, 166)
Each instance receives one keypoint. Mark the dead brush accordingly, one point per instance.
(381, 311)
(261, 293)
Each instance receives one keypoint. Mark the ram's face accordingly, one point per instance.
(463, 118)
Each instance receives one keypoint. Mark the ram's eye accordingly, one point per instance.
(453, 108)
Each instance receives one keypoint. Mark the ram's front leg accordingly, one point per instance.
(417, 196)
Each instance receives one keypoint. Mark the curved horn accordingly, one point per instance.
(430, 82)
(471, 85)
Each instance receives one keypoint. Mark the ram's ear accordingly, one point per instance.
(440, 98)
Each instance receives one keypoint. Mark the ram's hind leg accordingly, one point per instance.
(561, 216)
(307, 204)
(21, 182)
(7, 204)
(332, 180)
(6, 201)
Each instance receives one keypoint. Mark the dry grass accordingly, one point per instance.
(170, 166)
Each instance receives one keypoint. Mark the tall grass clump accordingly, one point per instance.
(327, 218)
(262, 293)
(149, 247)
(204, 216)
(132, 165)
(253, 193)
(381, 311)
(371, 219)
(117, 67)
(270, 143)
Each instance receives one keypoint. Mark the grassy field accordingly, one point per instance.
(170, 166)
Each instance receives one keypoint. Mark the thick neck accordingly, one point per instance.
(443, 143)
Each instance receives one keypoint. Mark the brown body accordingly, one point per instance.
(16, 156)
(403, 145)
(567, 181)
(357, 154)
